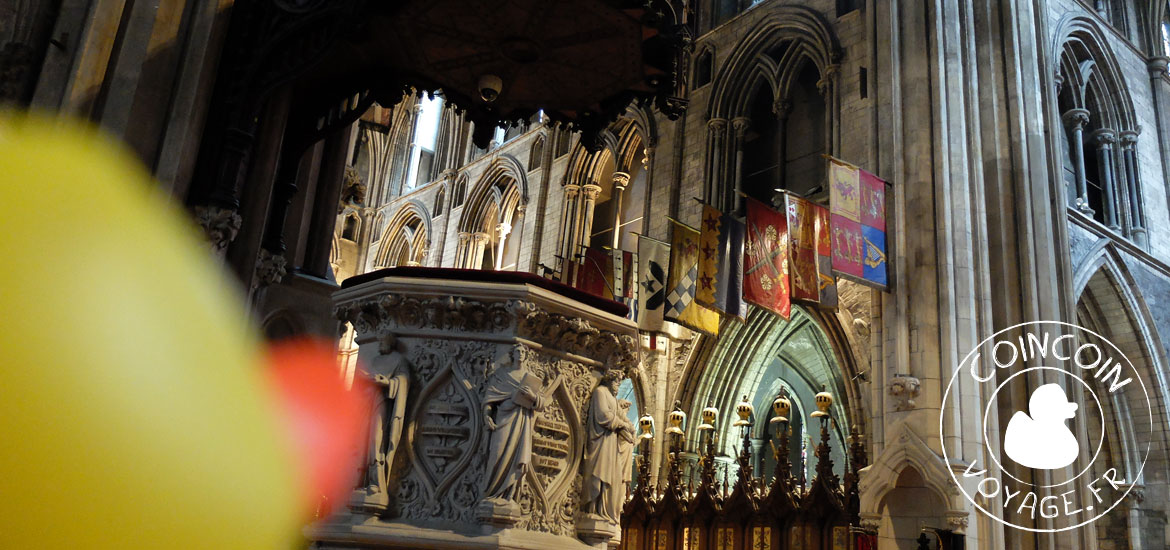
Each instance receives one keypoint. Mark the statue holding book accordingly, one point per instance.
(511, 398)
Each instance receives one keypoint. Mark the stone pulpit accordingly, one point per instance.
(486, 392)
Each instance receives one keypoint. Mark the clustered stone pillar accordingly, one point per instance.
(568, 222)
(478, 246)
(1076, 119)
(716, 136)
(462, 249)
(1104, 139)
(495, 416)
(781, 109)
(1133, 186)
(739, 127)
(502, 231)
(621, 180)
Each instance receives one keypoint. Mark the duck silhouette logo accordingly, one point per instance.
(1042, 441)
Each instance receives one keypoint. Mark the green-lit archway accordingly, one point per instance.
(756, 359)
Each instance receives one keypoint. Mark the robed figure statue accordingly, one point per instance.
(607, 426)
(511, 398)
(387, 383)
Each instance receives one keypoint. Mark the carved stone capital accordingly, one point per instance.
(870, 523)
(1103, 138)
(270, 268)
(1158, 66)
(740, 125)
(220, 224)
(1075, 118)
(717, 125)
(571, 190)
(1128, 138)
(958, 521)
(591, 190)
(781, 108)
(904, 389)
(620, 180)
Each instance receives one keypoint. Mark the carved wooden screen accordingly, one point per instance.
(750, 513)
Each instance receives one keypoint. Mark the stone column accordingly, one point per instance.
(568, 222)
(781, 109)
(716, 135)
(1076, 119)
(621, 180)
(461, 251)
(502, 231)
(589, 194)
(1161, 108)
(739, 126)
(464, 352)
(1104, 139)
(479, 242)
(1137, 225)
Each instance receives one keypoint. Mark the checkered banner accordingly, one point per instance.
(681, 306)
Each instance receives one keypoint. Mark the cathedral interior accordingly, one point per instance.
(482, 208)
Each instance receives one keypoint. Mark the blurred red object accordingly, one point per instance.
(325, 421)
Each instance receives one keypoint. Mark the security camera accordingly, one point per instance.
(489, 87)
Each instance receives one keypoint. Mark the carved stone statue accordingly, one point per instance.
(625, 456)
(511, 398)
(388, 383)
(606, 426)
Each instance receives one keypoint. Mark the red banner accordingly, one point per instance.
(765, 266)
(595, 275)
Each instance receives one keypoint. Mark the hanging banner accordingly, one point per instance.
(845, 218)
(873, 228)
(827, 283)
(653, 262)
(595, 275)
(708, 255)
(802, 254)
(765, 266)
(721, 263)
(682, 283)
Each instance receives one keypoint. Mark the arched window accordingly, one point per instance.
(704, 67)
(536, 154)
(1101, 132)
(490, 228)
(440, 203)
(426, 134)
(350, 228)
(1165, 27)
(460, 193)
(563, 139)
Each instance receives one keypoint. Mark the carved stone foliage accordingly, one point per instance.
(449, 313)
(579, 336)
(220, 224)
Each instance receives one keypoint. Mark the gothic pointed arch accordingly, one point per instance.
(406, 239)
(778, 81)
(490, 227)
(759, 358)
(1110, 303)
(800, 25)
(1101, 129)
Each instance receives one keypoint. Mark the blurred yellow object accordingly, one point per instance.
(133, 407)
